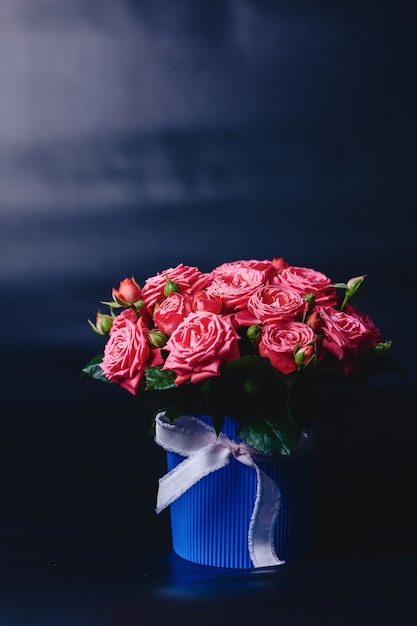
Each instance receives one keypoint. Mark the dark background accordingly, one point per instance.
(138, 135)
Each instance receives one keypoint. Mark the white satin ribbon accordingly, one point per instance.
(206, 452)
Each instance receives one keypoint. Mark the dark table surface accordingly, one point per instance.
(80, 543)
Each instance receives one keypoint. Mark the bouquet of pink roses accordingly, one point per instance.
(264, 342)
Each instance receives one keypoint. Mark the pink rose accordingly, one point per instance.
(374, 332)
(199, 346)
(188, 279)
(235, 284)
(347, 335)
(280, 342)
(128, 292)
(171, 312)
(127, 352)
(264, 266)
(306, 280)
(273, 303)
(204, 302)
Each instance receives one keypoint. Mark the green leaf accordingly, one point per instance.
(286, 435)
(380, 364)
(96, 359)
(158, 379)
(247, 389)
(261, 440)
(112, 304)
(172, 413)
(94, 370)
(212, 392)
(254, 373)
(270, 437)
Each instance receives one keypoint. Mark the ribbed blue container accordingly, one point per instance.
(210, 521)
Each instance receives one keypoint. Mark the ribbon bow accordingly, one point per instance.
(206, 452)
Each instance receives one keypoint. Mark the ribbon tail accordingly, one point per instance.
(189, 472)
(262, 525)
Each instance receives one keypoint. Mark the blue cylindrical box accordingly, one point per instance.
(210, 521)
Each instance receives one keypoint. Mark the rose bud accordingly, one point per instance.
(202, 301)
(157, 339)
(254, 333)
(303, 356)
(279, 264)
(353, 287)
(103, 324)
(128, 293)
(311, 300)
(355, 284)
(314, 321)
(170, 287)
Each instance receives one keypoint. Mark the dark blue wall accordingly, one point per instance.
(137, 135)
